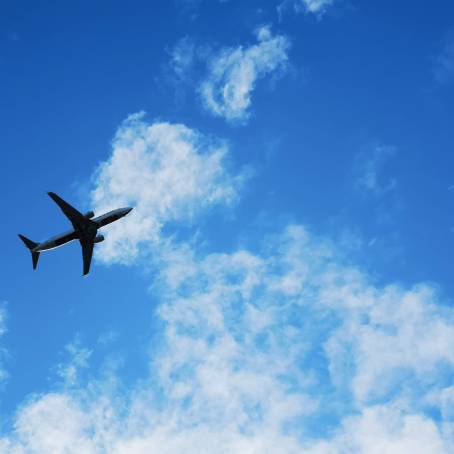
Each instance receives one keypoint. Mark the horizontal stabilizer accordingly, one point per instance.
(31, 245)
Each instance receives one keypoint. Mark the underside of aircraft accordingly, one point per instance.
(85, 229)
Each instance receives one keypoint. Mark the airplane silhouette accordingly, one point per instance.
(85, 229)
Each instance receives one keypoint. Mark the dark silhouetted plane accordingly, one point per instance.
(85, 229)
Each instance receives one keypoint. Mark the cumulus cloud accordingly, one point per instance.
(397, 341)
(233, 72)
(385, 429)
(168, 173)
(257, 348)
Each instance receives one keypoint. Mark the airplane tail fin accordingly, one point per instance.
(31, 245)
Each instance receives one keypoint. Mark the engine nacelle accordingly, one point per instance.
(98, 239)
(89, 214)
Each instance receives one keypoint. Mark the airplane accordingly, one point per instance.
(85, 229)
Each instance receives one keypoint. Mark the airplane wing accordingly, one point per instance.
(77, 218)
(87, 254)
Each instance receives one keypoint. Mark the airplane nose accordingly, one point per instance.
(128, 210)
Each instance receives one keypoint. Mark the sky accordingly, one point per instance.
(284, 282)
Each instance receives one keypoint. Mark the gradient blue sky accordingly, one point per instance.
(285, 281)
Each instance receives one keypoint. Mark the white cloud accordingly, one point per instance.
(385, 429)
(233, 73)
(78, 359)
(255, 346)
(317, 7)
(313, 6)
(53, 423)
(396, 339)
(167, 172)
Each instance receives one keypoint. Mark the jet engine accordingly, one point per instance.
(98, 239)
(89, 214)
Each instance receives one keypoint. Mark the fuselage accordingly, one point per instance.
(88, 231)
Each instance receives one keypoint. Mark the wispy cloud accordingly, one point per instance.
(3, 351)
(233, 72)
(107, 337)
(444, 62)
(317, 7)
(376, 203)
(369, 169)
(168, 173)
(182, 57)
(188, 8)
(184, 69)
(78, 360)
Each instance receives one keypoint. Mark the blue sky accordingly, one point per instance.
(284, 283)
